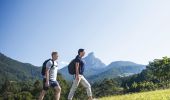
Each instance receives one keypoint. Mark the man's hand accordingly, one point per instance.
(77, 78)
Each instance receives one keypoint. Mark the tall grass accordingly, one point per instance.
(152, 95)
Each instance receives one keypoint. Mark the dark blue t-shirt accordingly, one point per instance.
(79, 60)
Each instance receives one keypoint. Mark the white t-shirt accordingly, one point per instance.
(53, 70)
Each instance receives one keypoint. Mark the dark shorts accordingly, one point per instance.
(51, 83)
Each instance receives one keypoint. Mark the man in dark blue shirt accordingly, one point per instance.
(81, 64)
(79, 78)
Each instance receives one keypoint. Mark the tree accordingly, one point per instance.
(160, 69)
(106, 87)
(36, 89)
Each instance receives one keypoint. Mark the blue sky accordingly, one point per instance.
(131, 30)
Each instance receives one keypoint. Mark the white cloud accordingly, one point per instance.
(63, 64)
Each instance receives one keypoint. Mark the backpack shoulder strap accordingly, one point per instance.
(52, 63)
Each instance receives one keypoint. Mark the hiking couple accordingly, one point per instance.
(49, 72)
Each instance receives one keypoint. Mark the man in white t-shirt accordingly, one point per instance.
(50, 77)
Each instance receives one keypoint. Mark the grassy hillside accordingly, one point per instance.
(153, 95)
(14, 70)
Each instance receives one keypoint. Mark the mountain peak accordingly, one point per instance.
(93, 62)
(91, 54)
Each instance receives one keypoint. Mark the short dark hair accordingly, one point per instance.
(54, 53)
(80, 50)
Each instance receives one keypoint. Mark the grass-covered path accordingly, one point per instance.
(152, 95)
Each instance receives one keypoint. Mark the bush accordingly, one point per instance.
(143, 86)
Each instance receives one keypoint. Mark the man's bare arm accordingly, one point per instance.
(47, 76)
(77, 71)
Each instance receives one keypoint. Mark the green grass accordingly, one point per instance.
(152, 95)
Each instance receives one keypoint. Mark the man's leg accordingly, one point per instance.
(73, 89)
(57, 89)
(86, 84)
(42, 94)
(57, 92)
